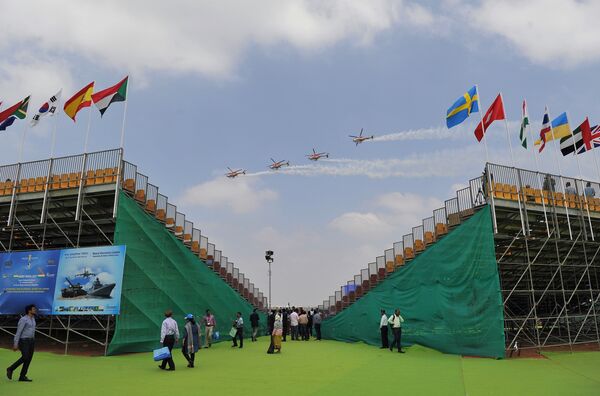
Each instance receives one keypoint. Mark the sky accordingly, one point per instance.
(235, 83)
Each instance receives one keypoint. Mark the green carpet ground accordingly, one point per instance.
(308, 368)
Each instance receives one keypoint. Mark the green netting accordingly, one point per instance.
(449, 297)
(161, 273)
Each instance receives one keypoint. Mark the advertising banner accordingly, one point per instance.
(89, 281)
(27, 278)
(84, 281)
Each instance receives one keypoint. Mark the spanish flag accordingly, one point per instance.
(80, 100)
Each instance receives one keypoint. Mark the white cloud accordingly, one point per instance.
(391, 215)
(242, 195)
(202, 37)
(360, 224)
(559, 33)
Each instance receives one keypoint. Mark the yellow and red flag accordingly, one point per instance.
(81, 99)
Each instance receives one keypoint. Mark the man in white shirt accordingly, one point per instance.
(294, 324)
(169, 336)
(396, 322)
(238, 324)
(383, 328)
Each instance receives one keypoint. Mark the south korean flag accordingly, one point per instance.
(47, 108)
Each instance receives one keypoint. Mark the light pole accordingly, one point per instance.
(269, 258)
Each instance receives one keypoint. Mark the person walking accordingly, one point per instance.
(24, 342)
(191, 340)
(277, 331)
(396, 322)
(254, 323)
(317, 323)
(383, 328)
(294, 324)
(238, 323)
(286, 323)
(209, 326)
(309, 325)
(270, 322)
(169, 336)
(303, 325)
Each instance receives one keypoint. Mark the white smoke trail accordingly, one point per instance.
(434, 133)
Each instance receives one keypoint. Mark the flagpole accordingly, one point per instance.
(491, 188)
(560, 176)
(537, 166)
(54, 127)
(22, 143)
(514, 164)
(581, 178)
(124, 114)
(87, 134)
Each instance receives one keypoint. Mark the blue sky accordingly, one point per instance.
(233, 85)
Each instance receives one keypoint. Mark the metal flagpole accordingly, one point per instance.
(87, 134)
(514, 165)
(52, 147)
(581, 178)
(559, 176)
(491, 188)
(124, 113)
(22, 143)
(537, 165)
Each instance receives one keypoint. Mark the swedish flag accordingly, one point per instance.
(463, 107)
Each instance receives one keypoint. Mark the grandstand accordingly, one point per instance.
(100, 199)
(544, 245)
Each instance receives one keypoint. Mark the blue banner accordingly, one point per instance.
(89, 280)
(85, 281)
(27, 278)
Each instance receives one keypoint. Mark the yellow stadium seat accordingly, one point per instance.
(441, 229)
(151, 205)
(89, 177)
(498, 190)
(160, 214)
(74, 180)
(409, 253)
(55, 182)
(178, 230)
(203, 253)
(31, 184)
(23, 186)
(389, 266)
(140, 195)
(8, 187)
(559, 199)
(399, 260)
(110, 175)
(64, 180)
(40, 183)
(187, 238)
(2, 188)
(170, 222)
(429, 237)
(129, 185)
(195, 246)
(419, 245)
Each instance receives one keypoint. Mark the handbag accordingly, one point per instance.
(216, 335)
(161, 353)
(232, 332)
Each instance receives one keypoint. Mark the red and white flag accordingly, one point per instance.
(495, 112)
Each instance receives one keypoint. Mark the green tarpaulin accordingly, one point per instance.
(161, 273)
(449, 296)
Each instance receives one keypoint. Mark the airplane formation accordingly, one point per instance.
(314, 156)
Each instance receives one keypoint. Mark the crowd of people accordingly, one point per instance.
(297, 323)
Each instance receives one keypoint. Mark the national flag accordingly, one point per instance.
(495, 112)
(47, 108)
(524, 126)
(558, 128)
(545, 131)
(569, 143)
(116, 93)
(463, 107)
(590, 137)
(81, 99)
(10, 115)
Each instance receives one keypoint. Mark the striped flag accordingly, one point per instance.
(47, 108)
(116, 93)
(546, 127)
(568, 143)
(81, 99)
(524, 126)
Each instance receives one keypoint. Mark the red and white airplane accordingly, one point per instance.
(234, 173)
(278, 164)
(360, 138)
(317, 156)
